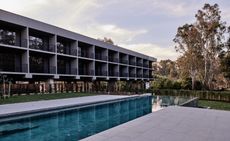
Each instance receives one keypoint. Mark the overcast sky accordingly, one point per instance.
(146, 26)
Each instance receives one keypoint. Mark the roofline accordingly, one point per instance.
(31, 23)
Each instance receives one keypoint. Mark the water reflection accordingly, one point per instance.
(159, 102)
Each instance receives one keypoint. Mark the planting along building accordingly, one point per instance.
(34, 52)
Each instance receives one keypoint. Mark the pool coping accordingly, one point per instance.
(23, 114)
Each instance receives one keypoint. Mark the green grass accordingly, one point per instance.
(215, 105)
(38, 97)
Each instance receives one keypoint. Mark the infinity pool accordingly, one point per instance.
(74, 123)
(159, 102)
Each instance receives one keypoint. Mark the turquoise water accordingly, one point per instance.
(75, 124)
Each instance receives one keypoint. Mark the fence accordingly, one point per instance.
(203, 95)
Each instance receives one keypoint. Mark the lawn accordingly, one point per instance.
(37, 97)
(215, 104)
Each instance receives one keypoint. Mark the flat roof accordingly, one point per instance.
(172, 124)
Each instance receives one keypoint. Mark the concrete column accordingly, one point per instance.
(51, 85)
(53, 59)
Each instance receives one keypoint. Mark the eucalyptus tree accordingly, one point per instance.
(225, 60)
(212, 30)
(188, 44)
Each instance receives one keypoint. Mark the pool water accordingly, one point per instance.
(75, 123)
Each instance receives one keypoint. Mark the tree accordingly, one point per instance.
(211, 29)
(107, 40)
(225, 61)
(200, 44)
(188, 43)
(166, 68)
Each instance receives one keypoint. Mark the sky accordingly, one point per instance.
(146, 26)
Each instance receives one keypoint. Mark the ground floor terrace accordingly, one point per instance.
(15, 84)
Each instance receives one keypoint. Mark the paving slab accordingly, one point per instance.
(172, 124)
(28, 107)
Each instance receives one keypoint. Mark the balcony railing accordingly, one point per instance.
(139, 64)
(123, 74)
(64, 70)
(132, 63)
(8, 68)
(42, 69)
(34, 44)
(132, 75)
(85, 54)
(113, 59)
(100, 73)
(86, 72)
(146, 76)
(21, 43)
(69, 52)
(112, 73)
(100, 57)
(124, 61)
(145, 65)
(139, 75)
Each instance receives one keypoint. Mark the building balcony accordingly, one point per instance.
(33, 44)
(123, 61)
(113, 59)
(67, 51)
(7, 68)
(145, 65)
(64, 70)
(112, 73)
(132, 63)
(123, 74)
(42, 69)
(86, 72)
(139, 64)
(139, 75)
(101, 57)
(132, 75)
(100, 73)
(145, 75)
(12, 42)
(85, 54)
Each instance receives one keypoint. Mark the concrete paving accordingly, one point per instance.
(172, 124)
(27, 107)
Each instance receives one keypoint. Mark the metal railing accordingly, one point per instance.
(123, 74)
(101, 57)
(112, 73)
(139, 75)
(86, 72)
(132, 75)
(33, 44)
(112, 59)
(132, 63)
(100, 73)
(124, 61)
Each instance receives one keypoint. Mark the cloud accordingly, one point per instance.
(153, 50)
(116, 33)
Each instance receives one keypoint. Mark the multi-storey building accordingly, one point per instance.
(32, 51)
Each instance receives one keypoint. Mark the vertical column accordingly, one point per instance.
(74, 63)
(25, 55)
(53, 60)
(92, 64)
(77, 61)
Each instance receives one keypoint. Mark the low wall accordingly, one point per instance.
(203, 95)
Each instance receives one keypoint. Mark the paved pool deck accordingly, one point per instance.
(36, 106)
(172, 124)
